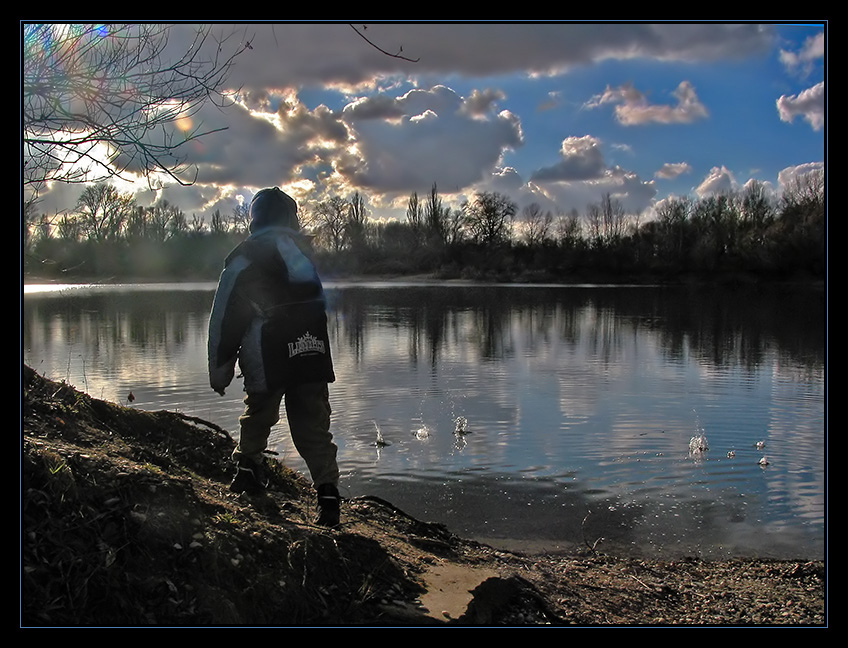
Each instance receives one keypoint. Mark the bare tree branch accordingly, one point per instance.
(103, 100)
(380, 49)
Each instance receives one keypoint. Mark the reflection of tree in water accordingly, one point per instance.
(720, 327)
(738, 327)
(433, 317)
(104, 322)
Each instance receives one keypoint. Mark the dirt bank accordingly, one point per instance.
(127, 521)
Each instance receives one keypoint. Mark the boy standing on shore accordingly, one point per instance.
(269, 313)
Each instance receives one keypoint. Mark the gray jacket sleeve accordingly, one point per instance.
(227, 324)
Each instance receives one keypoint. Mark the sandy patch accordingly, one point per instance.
(449, 589)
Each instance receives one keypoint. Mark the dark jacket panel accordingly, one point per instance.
(269, 314)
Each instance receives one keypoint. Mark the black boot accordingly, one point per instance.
(250, 477)
(329, 505)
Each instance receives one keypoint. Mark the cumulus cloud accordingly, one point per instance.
(269, 149)
(808, 105)
(634, 194)
(719, 181)
(767, 187)
(787, 177)
(505, 180)
(673, 170)
(425, 136)
(633, 108)
(481, 102)
(803, 60)
(381, 143)
(581, 159)
(582, 176)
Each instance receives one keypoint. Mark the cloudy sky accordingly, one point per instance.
(553, 113)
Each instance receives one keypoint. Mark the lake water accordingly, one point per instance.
(578, 405)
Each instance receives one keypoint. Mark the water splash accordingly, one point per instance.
(380, 442)
(698, 445)
(460, 425)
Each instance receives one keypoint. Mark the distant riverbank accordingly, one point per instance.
(727, 280)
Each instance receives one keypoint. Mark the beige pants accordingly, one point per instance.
(308, 413)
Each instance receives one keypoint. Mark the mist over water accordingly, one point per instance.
(577, 405)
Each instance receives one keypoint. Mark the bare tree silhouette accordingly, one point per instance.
(102, 100)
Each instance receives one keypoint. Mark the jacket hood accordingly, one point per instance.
(273, 207)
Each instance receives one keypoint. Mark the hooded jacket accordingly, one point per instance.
(269, 313)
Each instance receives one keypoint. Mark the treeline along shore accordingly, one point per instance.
(747, 235)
